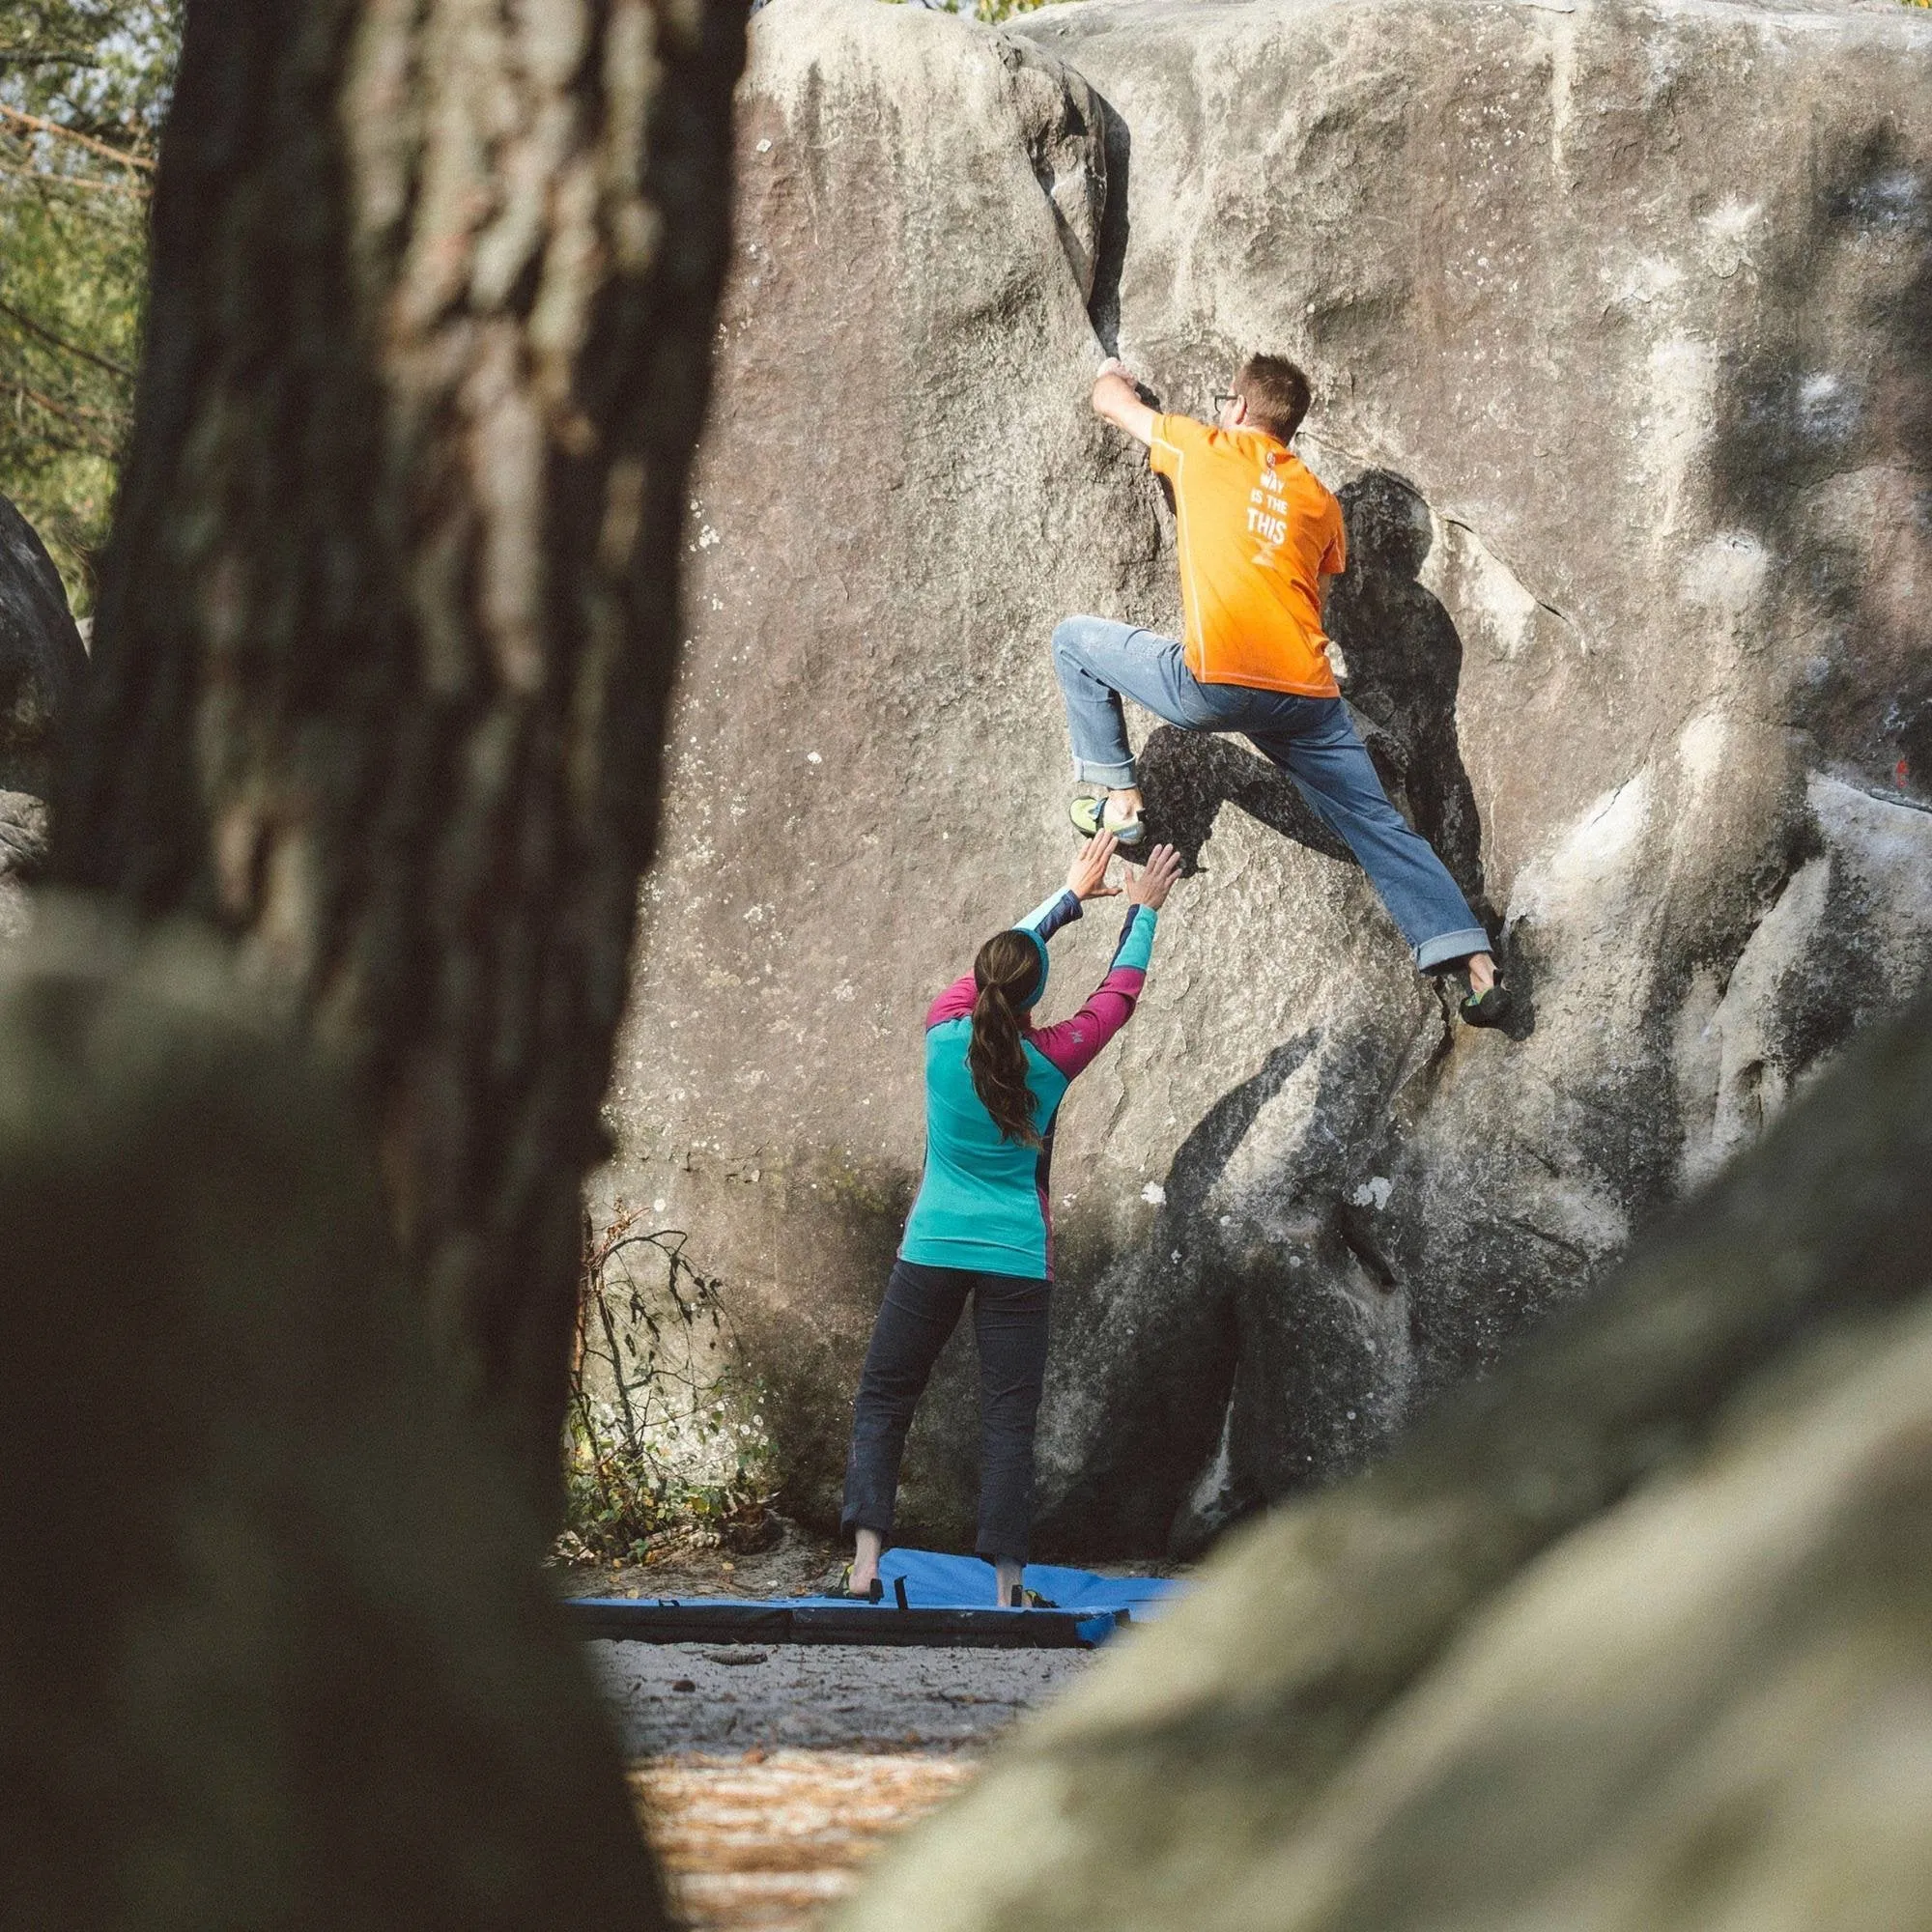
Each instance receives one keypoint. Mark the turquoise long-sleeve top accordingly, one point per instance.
(983, 1203)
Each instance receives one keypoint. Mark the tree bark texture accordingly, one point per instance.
(388, 614)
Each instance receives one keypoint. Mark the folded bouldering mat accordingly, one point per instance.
(928, 1600)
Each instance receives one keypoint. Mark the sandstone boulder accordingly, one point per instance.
(41, 658)
(1620, 321)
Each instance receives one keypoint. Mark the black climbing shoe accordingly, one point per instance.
(1492, 1009)
(1029, 1600)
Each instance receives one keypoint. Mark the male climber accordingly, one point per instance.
(1256, 535)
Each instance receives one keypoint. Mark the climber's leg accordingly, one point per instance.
(920, 1309)
(1099, 662)
(1315, 743)
(1010, 1319)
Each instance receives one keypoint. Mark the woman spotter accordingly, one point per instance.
(980, 1228)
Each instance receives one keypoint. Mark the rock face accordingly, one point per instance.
(1625, 381)
(41, 658)
(42, 665)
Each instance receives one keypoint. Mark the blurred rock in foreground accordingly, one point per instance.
(277, 1651)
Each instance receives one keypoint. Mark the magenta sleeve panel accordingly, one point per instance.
(954, 1004)
(1073, 1046)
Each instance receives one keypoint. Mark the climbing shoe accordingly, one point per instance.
(1492, 1010)
(1097, 814)
(1023, 1599)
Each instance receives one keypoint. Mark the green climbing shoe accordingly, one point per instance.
(871, 1596)
(1097, 814)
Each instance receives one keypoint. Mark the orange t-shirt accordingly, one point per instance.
(1257, 533)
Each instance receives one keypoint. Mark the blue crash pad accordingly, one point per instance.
(966, 1583)
(930, 1600)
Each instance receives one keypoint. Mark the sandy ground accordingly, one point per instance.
(671, 1698)
(768, 1776)
(769, 1843)
(797, 1564)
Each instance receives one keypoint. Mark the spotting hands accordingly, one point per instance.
(1087, 876)
(1152, 884)
(1148, 885)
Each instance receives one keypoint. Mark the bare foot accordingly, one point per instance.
(1126, 803)
(1481, 971)
(870, 1546)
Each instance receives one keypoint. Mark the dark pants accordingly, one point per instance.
(922, 1308)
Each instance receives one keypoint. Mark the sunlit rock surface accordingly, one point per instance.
(1620, 323)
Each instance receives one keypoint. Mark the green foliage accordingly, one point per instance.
(993, 11)
(83, 89)
(666, 1445)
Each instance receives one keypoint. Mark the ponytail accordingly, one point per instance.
(1007, 975)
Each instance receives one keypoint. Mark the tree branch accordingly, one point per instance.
(41, 126)
(79, 419)
(60, 341)
(46, 57)
(132, 190)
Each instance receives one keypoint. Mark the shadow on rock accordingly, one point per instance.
(1123, 1448)
(1403, 664)
(1186, 778)
(1803, 410)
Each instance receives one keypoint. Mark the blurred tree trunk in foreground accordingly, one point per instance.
(388, 613)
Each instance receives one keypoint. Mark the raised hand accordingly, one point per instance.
(1151, 884)
(1087, 877)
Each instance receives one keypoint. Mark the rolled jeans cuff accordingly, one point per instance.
(1116, 778)
(1449, 946)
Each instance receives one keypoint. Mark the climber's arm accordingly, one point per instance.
(1051, 914)
(1086, 879)
(1119, 401)
(1073, 1046)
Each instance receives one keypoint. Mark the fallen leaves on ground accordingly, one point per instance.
(766, 1842)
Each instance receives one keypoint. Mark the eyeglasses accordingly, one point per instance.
(1222, 401)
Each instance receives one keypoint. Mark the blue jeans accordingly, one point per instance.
(1311, 739)
(923, 1306)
